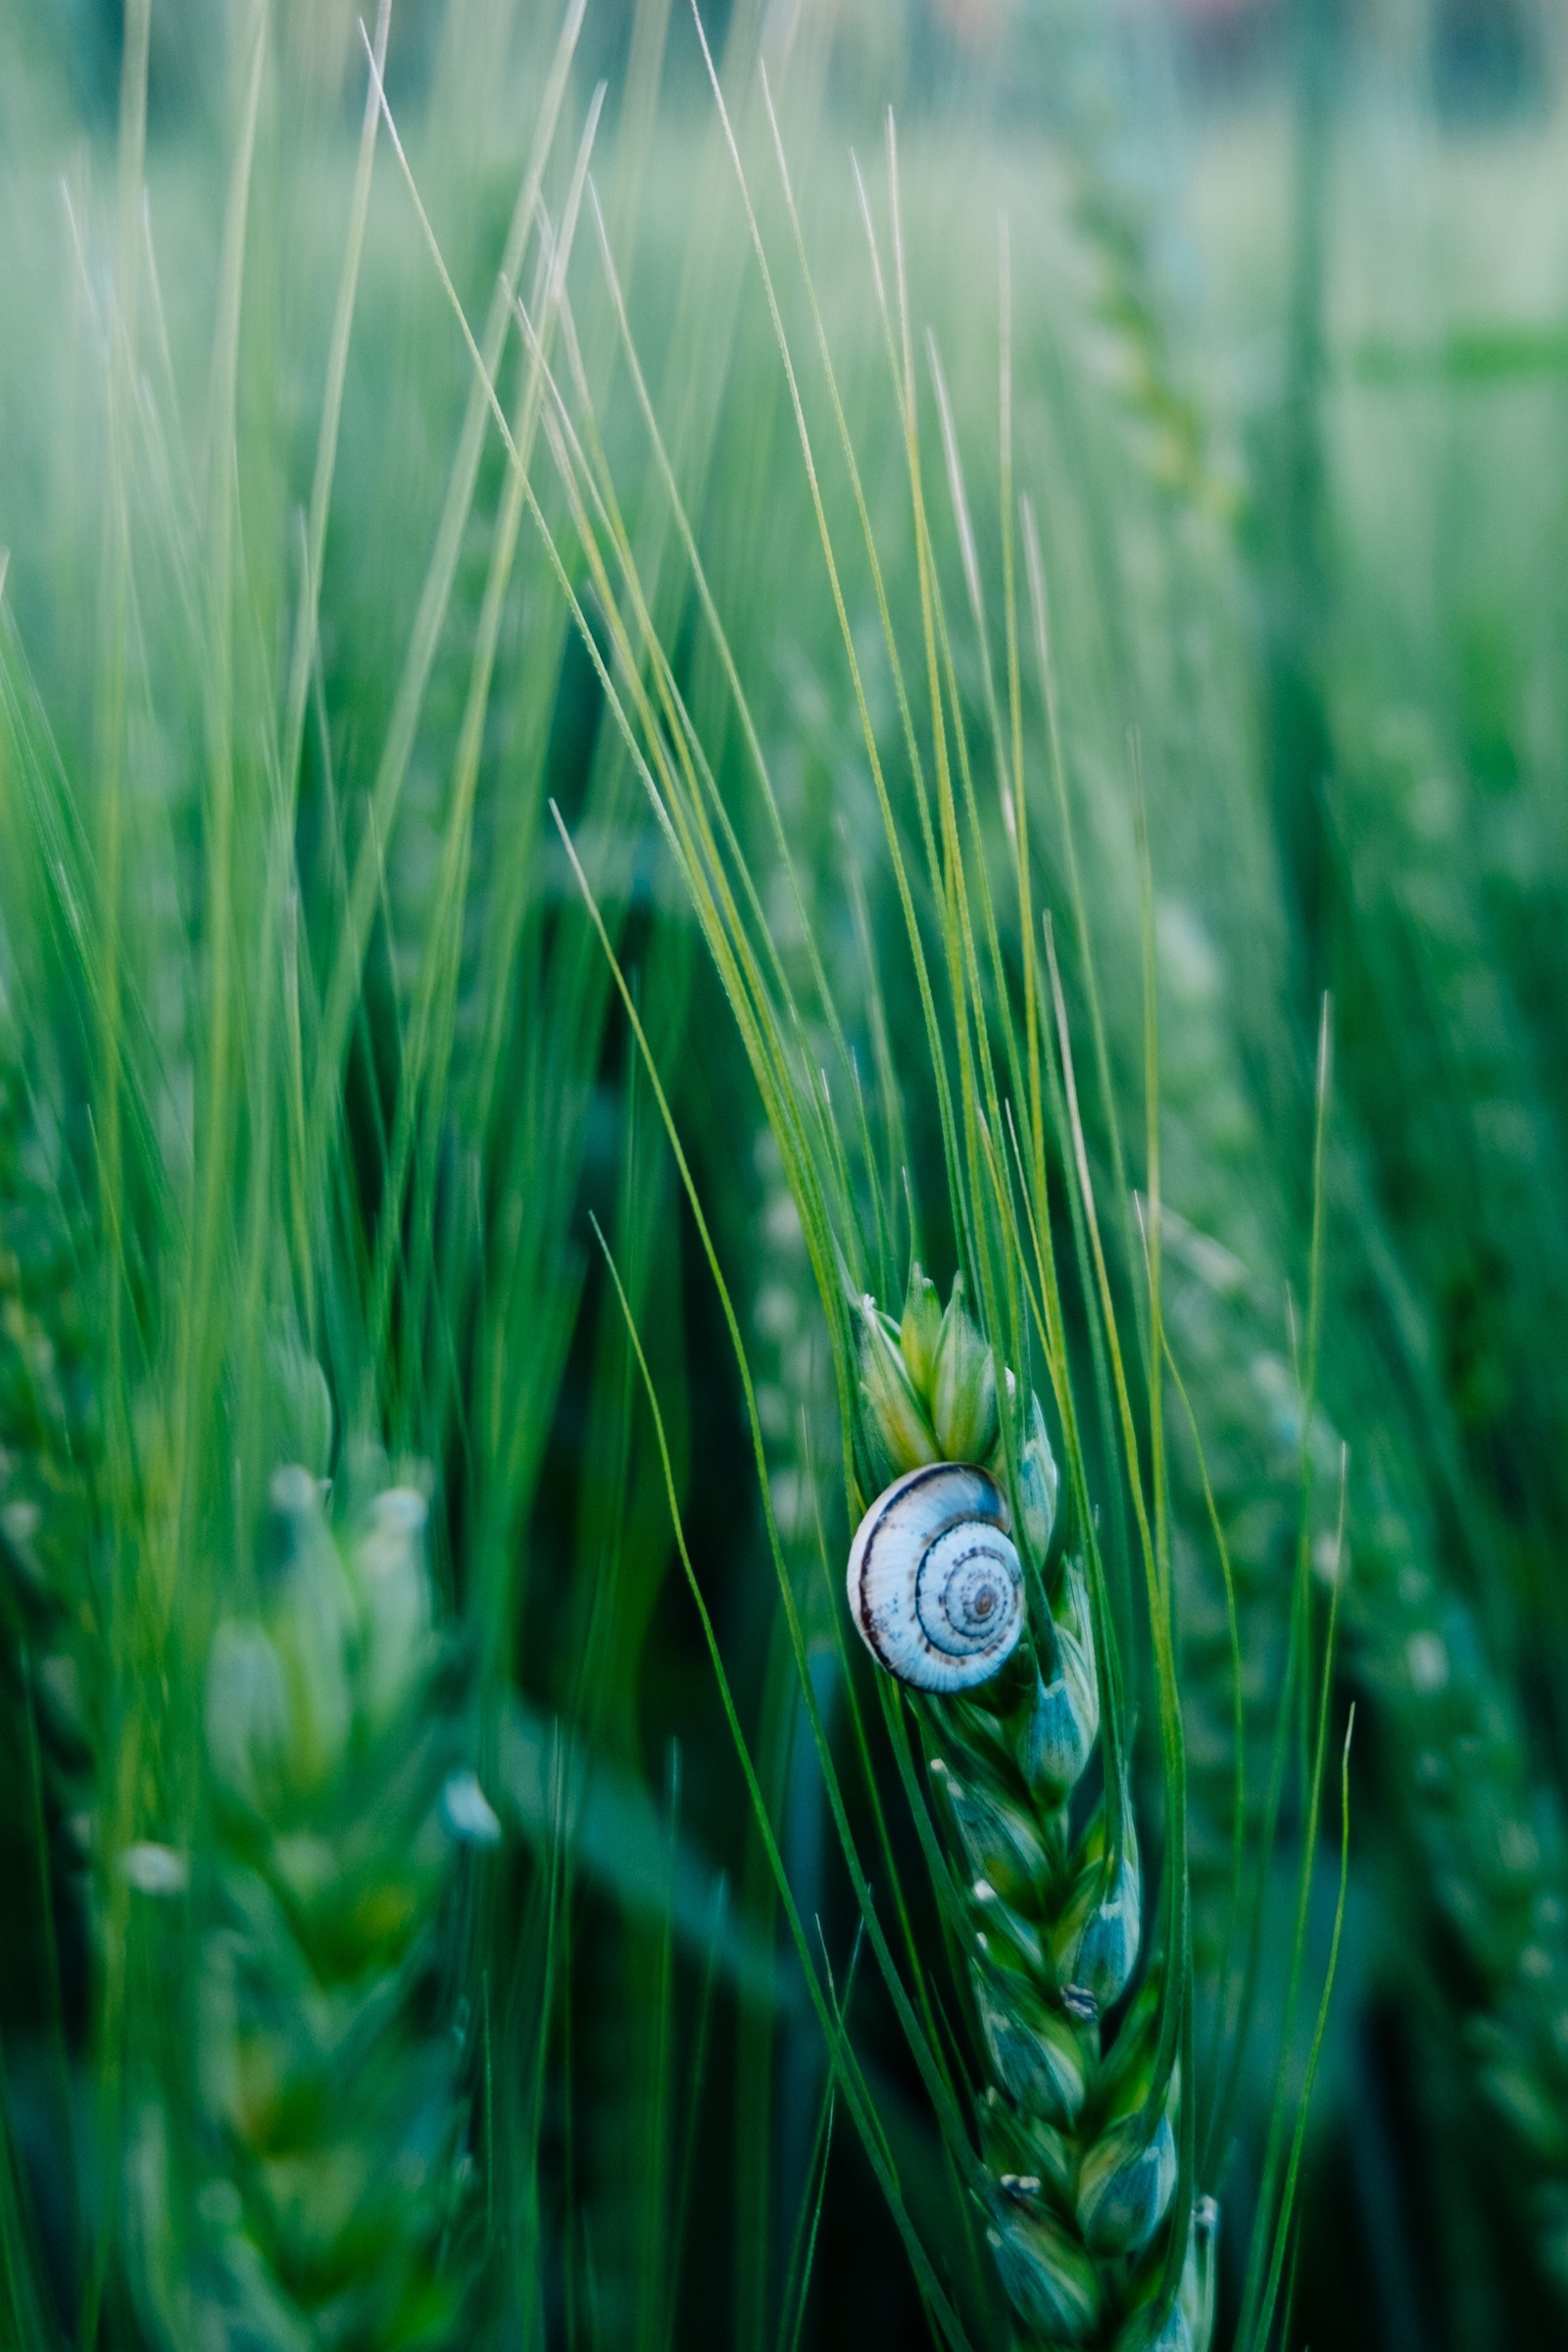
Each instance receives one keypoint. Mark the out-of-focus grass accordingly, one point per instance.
(1427, 664)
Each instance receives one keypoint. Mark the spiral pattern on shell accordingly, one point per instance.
(934, 1580)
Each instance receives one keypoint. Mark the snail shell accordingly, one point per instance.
(934, 1580)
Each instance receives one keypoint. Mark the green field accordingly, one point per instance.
(657, 677)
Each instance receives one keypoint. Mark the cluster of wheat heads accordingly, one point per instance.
(300, 1917)
(1086, 2181)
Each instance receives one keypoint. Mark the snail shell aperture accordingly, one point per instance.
(935, 1583)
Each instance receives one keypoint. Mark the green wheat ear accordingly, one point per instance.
(49, 1453)
(335, 2167)
(1078, 2151)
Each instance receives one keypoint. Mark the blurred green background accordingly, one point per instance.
(1289, 365)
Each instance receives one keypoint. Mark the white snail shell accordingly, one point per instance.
(934, 1580)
